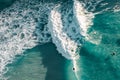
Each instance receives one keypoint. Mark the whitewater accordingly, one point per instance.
(29, 23)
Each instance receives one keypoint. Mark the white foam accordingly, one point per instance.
(65, 45)
(116, 8)
(65, 39)
(61, 27)
(19, 30)
(85, 21)
(83, 17)
(24, 25)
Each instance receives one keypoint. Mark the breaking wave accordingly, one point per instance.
(22, 27)
(28, 23)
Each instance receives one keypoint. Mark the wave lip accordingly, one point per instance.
(83, 17)
(64, 44)
(84, 20)
(68, 45)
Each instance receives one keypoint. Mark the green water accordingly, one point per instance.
(97, 62)
(40, 63)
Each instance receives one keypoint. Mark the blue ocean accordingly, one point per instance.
(59, 40)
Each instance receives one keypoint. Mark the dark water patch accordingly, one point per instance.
(54, 62)
(118, 42)
(40, 63)
(6, 3)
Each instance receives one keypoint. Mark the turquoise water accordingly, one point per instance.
(22, 35)
(40, 63)
(96, 61)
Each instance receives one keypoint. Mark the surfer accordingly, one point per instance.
(73, 69)
(113, 53)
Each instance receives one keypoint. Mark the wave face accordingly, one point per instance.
(28, 23)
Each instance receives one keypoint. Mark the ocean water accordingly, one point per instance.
(59, 40)
(39, 63)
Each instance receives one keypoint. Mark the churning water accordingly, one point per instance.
(86, 32)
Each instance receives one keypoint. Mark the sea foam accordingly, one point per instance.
(28, 23)
(68, 34)
(22, 26)
(64, 44)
